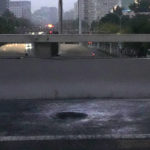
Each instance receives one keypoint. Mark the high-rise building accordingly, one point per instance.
(75, 11)
(21, 9)
(4, 5)
(69, 15)
(45, 15)
(91, 10)
(103, 7)
(85, 10)
(82, 11)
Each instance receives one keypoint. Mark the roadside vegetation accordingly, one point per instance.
(119, 23)
(9, 24)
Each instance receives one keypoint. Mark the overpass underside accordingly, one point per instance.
(1, 44)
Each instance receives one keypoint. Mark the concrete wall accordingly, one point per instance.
(46, 50)
(76, 78)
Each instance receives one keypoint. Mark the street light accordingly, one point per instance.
(60, 13)
(120, 17)
(79, 17)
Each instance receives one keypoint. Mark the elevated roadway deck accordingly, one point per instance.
(11, 38)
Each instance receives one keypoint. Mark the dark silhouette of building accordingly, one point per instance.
(21, 9)
(4, 5)
(45, 15)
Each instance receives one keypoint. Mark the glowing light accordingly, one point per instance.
(50, 26)
(50, 32)
(93, 54)
(90, 43)
(40, 33)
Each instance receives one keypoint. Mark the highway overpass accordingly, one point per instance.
(75, 104)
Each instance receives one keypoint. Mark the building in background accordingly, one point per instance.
(82, 11)
(86, 10)
(69, 15)
(45, 15)
(75, 11)
(103, 7)
(91, 10)
(4, 5)
(21, 9)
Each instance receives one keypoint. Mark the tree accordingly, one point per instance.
(116, 20)
(139, 24)
(9, 24)
(110, 18)
(118, 11)
(140, 6)
(108, 28)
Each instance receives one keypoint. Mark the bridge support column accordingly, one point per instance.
(46, 50)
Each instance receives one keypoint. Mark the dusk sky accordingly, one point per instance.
(68, 4)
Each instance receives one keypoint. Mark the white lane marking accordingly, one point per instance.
(73, 137)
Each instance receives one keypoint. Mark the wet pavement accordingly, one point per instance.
(117, 118)
(75, 124)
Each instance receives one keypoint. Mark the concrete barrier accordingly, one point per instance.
(73, 38)
(74, 78)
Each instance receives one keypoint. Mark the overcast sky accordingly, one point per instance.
(68, 4)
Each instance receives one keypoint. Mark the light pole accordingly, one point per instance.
(79, 17)
(120, 20)
(120, 17)
(60, 14)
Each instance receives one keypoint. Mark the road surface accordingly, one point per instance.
(106, 124)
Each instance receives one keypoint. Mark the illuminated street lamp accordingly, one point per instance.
(50, 26)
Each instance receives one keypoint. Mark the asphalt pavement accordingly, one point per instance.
(84, 122)
(113, 117)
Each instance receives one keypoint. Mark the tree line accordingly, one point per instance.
(116, 22)
(9, 24)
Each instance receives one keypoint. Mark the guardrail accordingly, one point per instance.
(19, 38)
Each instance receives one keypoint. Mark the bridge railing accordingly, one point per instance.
(19, 38)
